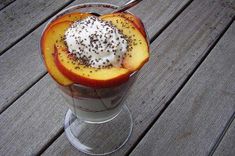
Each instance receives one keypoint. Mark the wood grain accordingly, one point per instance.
(226, 146)
(28, 125)
(18, 73)
(195, 119)
(20, 68)
(175, 53)
(4, 3)
(22, 16)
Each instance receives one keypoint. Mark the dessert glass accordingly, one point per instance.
(98, 122)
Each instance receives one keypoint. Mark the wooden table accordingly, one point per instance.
(183, 102)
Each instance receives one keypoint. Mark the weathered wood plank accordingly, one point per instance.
(24, 76)
(4, 3)
(226, 146)
(22, 16)
(175, 53)
(20, 68)
(195, 119)
(28, 125)
(16, 75)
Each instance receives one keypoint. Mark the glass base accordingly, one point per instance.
(99, 138)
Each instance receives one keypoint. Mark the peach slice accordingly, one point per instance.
(89, 76)
(52, 34)
(134, 19)
(138, 52)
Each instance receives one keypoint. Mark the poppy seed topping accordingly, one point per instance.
(96, 43)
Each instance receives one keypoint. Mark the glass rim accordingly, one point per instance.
(80, 6)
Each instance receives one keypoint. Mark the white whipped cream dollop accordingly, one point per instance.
(96, 42)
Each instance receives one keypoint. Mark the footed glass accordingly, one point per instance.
(97, 122)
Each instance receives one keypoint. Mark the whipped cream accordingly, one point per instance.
(96, 43)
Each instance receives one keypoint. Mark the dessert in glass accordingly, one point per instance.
(94, 57)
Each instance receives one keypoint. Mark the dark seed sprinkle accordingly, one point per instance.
(99, 42)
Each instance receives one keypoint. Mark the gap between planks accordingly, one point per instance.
(35, 27)
(6, 5)
(170, 21)
(57, 135)
(228, 125)
(180, 88)
(227, 144)
(61, 131)
(22, 93)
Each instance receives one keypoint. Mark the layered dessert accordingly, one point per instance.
(94, 60)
